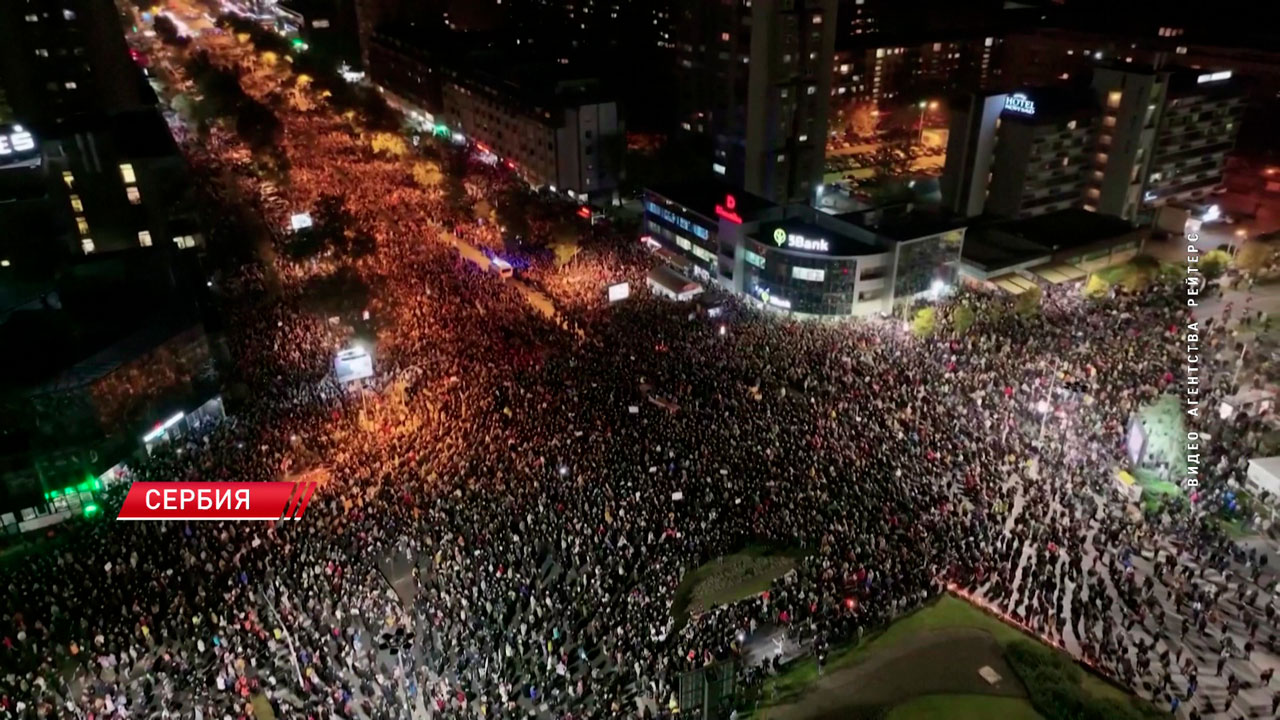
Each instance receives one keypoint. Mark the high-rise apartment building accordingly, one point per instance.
(1163, 136)
(1133, 140)
(57, 61)
(756, 78)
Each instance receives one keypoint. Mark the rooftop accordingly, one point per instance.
(1065, 229)
(838, 244)
(990, 248)
(905, 221)
(703, 197)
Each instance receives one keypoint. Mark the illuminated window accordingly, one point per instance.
(810, 274)
(1101, 158)
(82, 225)
(144, 238)
(42, 52)
(69, 14)
(76, 205)
(68, 178)
(1113, 99)
(1109, 120)
(126, 171)
(753, 258)
(86, 244)
(70, 85)
(817, 19)
(33, 18)
(1071, 125)
(132, 193)
(185, 241)
(803, 138)
(724, 37)
(812, 89)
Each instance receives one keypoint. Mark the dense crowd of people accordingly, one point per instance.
(525, 501)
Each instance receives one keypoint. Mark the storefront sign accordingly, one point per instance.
(800, 242)
(729, 210)
(680, 222)
(16, 140)
(1020, 103)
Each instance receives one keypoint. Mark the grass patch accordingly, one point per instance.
(730, 578)
(946, 612)
(1060, 690)
(964, 707)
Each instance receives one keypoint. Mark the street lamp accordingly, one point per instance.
(394, 643)
(925, 105)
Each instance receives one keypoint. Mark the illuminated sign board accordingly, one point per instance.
(1020, 103)
(18, 147)
(800, 242)
(729, 210)
(1214, 77)
(680, 222)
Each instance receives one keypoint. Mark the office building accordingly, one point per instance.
(797, 260)
(1132, 141)
(756, 79)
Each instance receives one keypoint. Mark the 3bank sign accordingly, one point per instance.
(800, 242)
(1020, 103)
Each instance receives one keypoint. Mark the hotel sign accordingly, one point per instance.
(1020, 103)
(800, 242)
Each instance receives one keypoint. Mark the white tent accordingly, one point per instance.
(1264, 474)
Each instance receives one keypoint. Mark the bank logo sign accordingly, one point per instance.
(800, 242)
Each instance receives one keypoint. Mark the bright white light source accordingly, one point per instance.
(1214, 212)
(300, 220)
(723, 330)
(564, 470)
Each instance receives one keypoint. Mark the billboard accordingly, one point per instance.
(353, 364)
(621, 291)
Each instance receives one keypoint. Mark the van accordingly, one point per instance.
(500, 267)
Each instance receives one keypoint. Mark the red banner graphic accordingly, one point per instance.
(216, 501)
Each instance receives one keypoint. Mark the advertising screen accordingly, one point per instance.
(621, 291)
(353, 364)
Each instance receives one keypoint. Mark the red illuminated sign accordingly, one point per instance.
(584, 212)
(728, 210)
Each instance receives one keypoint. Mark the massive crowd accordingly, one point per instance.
(536, 511)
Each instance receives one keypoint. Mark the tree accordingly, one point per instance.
(962, 318)
(1214, 263)
(342, 292)
(924, 323)
(864, 119)
(258, 126)
(564, 243)
(427, 174)
(1028, 303)
(1096, 287)
(385, 143)
(1254, 256)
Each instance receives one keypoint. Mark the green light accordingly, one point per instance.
(90, 510)
(296, 42)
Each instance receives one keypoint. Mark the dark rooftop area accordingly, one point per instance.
(702, 198)
(990, 248)
(904, 222)
(1073, 227)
